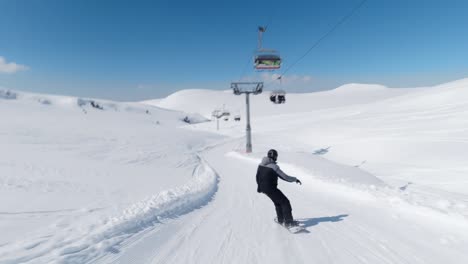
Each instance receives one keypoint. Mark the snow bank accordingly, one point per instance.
(82, 244)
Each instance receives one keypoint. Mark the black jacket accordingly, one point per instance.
(267, 175)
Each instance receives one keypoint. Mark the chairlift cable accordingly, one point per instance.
(340, 22)
(245, 68)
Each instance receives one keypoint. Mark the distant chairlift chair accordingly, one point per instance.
(226, 115)
(278, 97)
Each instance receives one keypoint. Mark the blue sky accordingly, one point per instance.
(132, 50)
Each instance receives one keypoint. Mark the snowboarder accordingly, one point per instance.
(267, 182)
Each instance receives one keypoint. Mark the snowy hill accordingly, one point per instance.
(205, 101)
(95, 181)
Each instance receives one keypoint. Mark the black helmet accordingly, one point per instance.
(272, 154)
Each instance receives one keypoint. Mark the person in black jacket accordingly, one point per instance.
(267, 182)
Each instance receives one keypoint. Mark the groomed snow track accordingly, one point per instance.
(345, 223)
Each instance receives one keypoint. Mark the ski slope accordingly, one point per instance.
(382, 172)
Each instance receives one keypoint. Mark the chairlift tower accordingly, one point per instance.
(247, 88)
(218, 114)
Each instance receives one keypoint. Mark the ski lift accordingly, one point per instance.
(266, 59)
(278, 97)
(237, 118)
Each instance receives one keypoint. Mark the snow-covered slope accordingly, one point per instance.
(93, 181)
(401, 135)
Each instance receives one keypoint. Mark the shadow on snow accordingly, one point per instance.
(308, 222)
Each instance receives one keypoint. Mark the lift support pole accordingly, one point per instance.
(252, 88)
(248, 147)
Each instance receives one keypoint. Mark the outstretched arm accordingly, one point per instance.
(283, 175)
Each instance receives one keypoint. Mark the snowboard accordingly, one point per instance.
(293, 229)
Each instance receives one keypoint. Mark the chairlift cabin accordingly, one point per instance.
(278, 97)
(267, 60)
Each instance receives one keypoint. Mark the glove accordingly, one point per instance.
(298, 181)
(258, 189)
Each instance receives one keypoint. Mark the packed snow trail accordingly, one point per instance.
(345, 225)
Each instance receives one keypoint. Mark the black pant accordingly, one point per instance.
(282, 205)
